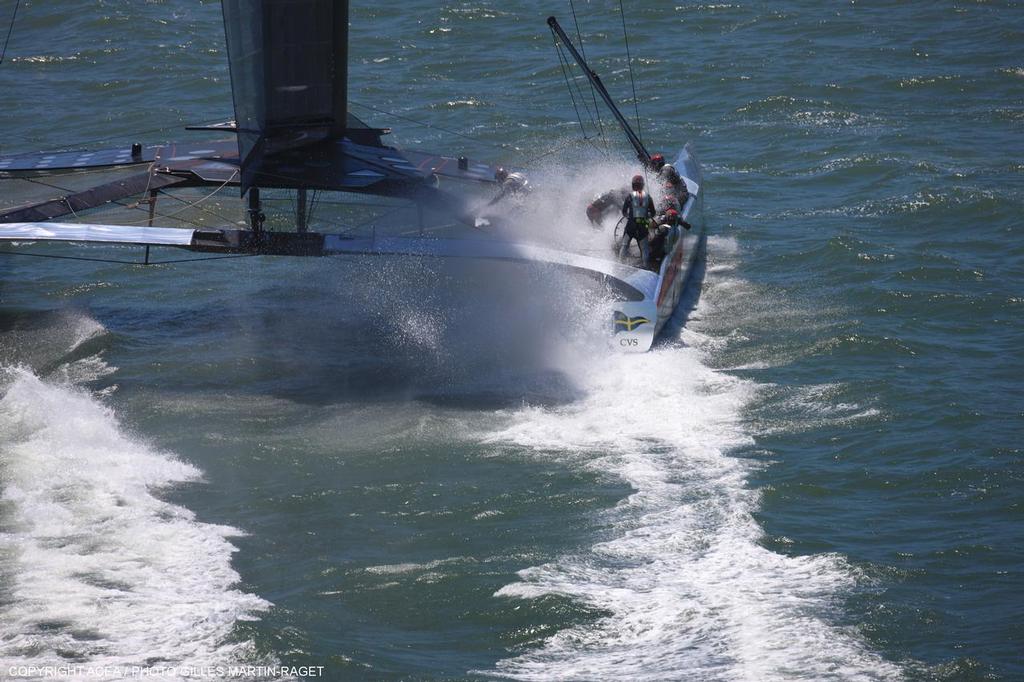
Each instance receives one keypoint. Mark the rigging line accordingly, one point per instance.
(561, 61)
(583, 49)
(498, 145)
(288, 213)
(122, 262)
(201, 259)
(370, 221)
(185, 208)
(119, 203)
(579, 91)
(629, 63)
(70, 207)
(10, 30)
(195, 204)
(65, 199)
(221, 216)
(325, 202)
(553, 150)
(284, 213)
(347, 229)
(314, 203)
(575, 80)
(149, 183)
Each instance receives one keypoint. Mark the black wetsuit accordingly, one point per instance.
(657, 242)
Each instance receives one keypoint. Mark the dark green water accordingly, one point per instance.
(382, 469)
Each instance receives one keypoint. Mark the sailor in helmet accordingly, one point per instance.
(511, 184)
(604, 203)
(674, 184)
(657, 162)
(638, 209)
(662, 235)
(668, 200)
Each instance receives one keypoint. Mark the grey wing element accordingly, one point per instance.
(91, 198)
(43, 163)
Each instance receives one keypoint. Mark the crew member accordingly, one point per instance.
(638, 209)
(674, 183)
(675, 219)
(602, 203)
(668, 201)
(511, 184)
(662, 236)
(657, 162)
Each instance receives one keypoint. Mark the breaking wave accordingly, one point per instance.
(96, 568)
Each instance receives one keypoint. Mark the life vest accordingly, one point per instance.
(638, 203)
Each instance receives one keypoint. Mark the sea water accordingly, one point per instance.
(407, 469)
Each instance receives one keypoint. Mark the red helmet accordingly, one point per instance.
(672, 214)
(658, 160)
(638, 182)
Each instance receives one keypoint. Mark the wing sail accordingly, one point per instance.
(289, 75)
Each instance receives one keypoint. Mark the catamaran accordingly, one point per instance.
(293, 131)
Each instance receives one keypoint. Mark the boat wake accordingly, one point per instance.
(684, 584)
(95, 568)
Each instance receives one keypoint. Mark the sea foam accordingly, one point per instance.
(687, 588)
(95, 567)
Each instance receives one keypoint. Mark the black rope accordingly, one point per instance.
(629, 63)
(195, 205)
(122, 262)
(563, 62)
(553, 150)
(311, 206)
(326, 202)
(10, 29)
(583, 99)
(199, 260)
(583, 49)
(425, 124)
(136, 205)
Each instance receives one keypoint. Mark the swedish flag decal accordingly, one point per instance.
(625, 323)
